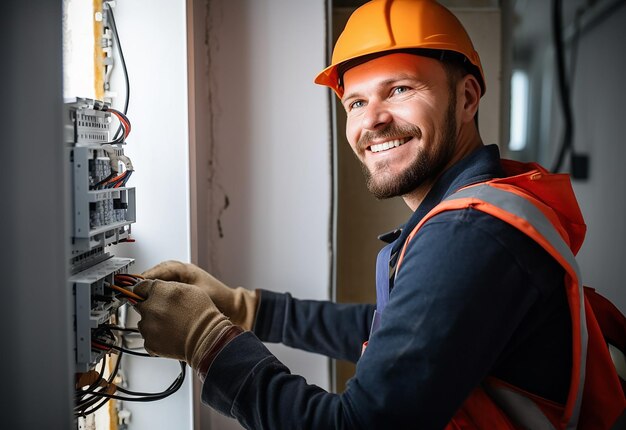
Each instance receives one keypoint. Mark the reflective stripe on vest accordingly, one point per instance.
(525, 216)
(520, 409)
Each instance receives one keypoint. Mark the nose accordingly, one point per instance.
(376, 115)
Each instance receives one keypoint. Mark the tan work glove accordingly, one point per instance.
(181, 321)
(239, 304)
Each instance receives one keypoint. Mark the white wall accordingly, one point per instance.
(483, 26)
(153, 36)
(599, 115)
(599, 111)
(267, 150)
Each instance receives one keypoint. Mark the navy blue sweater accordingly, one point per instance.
(474, 297)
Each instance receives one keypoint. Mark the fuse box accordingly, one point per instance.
(103, 210)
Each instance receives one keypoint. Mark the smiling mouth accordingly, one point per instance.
(379, 147)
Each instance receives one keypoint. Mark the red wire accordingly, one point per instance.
(125, 123)
(118, 177)
(98, 346)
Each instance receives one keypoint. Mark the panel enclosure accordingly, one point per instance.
(103, 209)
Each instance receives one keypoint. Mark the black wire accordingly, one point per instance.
(120, 349)
(103, 401)
(127, 177)
(114, 327)
(97, 399)
(122, 114)
(79, 409)
(150, 397)
(119, 48)
(574, 45)
(127, 330)
(138, 393)
(563, 87)
(141, 397)
(122, 180)
(126, 127)
(111, 176)
(81, 406)
(96, 383)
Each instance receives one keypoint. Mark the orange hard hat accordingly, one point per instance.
(380, 26)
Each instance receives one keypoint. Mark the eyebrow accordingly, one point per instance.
(382, 84)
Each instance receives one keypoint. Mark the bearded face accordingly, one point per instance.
(401, 121)
(425, 166)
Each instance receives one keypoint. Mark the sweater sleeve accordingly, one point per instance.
(331, 329)
(458, 300)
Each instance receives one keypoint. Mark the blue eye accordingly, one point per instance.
(356, 104)
(400, 90)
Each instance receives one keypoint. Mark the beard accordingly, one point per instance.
(426, 166)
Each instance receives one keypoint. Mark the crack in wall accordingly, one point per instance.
(215, 189)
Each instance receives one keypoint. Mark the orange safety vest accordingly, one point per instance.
(537, 203)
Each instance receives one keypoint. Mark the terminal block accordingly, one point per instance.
(87, 121)
(103, 209)
(102, 214)
(95, 304)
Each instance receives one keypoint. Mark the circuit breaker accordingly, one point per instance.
(103, 209)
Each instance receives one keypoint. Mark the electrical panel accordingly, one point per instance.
(103, 209)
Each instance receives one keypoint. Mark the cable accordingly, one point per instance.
(119, 48)
(103, 401)
(131, 331)
(114, 181)
(126, 280)
(99, 398)
(124, 124)
(131, 277)
(104, 181)
(119, 348)
(574, 44)
(81, 405)
(100, 391)
(563, 87)
(94, 385)
(132, 297)
(80, 408)
(149, 397)
(122, 182)
(127, 329)
(171, 387)
(123, 119)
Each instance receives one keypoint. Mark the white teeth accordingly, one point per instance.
(386, 145)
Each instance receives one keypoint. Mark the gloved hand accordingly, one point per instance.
(239, 304)
(181, 321)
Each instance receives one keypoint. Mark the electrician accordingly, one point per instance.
(478, 317)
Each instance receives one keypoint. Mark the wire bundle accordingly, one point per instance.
(114, 180)
(123, 281)
(124, 125)
(93, 390)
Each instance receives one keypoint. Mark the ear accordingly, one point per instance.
(470, 97)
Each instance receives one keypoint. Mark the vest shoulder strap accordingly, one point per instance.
(512, 206)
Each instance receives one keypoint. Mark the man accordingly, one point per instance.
(477, 323)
